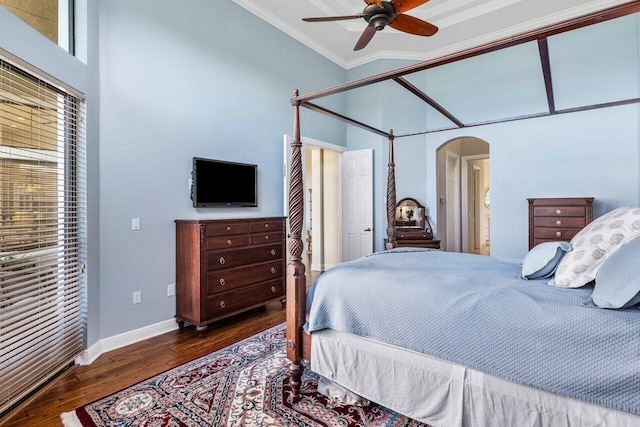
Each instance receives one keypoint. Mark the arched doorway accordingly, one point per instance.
(463, 180)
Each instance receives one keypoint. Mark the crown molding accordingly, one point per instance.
(268, 16)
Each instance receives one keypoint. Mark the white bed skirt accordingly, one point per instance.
(443, 394)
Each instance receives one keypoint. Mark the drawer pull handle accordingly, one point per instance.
(266, 226)
(229, 242)
(222, 261)
(558, 222)
(222, 282)
(559, 234)
(273, 289)
(558, 211)
(222, 304)
(228, 228)
(273, 270)
(266, 237)
(273, 252)
(402, 235)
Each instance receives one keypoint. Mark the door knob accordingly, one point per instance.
(367, 229)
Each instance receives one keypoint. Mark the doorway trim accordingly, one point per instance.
(316, 143)
(465, 208)
(452, 202)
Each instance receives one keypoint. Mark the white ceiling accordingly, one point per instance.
(462, 23)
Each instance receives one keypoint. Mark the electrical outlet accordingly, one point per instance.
(135, 223)
(171, 290)
(137, 297)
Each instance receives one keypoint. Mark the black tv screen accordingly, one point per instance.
(220, 183)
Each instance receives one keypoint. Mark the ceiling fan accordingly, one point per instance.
(380, 13)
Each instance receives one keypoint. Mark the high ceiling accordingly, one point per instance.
(462, 23)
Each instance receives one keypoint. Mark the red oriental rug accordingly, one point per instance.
(246, 384)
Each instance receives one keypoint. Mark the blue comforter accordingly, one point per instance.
(475, 311)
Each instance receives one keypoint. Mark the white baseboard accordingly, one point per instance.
(131, 337)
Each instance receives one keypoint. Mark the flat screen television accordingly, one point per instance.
(219, 183)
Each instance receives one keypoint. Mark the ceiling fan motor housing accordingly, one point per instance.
(378, 17)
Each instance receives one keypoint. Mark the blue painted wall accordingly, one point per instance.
(177, 80)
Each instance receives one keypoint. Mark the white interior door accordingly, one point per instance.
(357, 204)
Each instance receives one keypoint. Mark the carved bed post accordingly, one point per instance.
(391, 197)
(296, 281)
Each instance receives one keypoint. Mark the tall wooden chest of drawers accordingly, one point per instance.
(224, 267)
(558, 219)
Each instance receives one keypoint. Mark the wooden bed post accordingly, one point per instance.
(296, 281)
(391, 198)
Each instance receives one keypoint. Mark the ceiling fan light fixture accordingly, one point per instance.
(379, 21)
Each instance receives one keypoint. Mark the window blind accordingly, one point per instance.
(42, 232)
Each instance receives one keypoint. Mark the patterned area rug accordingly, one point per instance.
(246, 384)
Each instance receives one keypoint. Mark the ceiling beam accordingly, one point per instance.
(543, 48)
(529, 36)
(530, 116)
(326, 112)
(426, 98)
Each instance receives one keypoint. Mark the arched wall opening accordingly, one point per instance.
(463, 184)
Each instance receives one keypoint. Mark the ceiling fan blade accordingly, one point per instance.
(412, 25)
(334, 18)
(365, 38)
(376, 2)
(404, 5)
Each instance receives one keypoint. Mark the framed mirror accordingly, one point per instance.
(410, 214)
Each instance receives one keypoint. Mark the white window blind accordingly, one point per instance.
(42, 234)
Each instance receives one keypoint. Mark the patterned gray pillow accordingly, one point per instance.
(594, 243)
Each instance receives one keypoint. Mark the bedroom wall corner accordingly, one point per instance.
(174, 86)
(384, 107)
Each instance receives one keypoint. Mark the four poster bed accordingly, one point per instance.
(461, 339)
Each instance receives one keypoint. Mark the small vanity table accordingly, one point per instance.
(412, 225)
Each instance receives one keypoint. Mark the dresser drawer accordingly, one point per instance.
(265, 226)
(265, 238)
(226, 229)
(413, 235)
(225, 280)
(553, 222)
(428, 244)
(217, 260)
(222, 242)
(220, 304)
(555, 233)
(579, 211)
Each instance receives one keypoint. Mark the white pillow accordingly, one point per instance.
(594, 243)
(618, 279)
(542, 260)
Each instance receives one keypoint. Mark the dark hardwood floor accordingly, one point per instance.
(126, 366)
(129, 365)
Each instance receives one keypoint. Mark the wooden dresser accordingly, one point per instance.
(558, 219)
(224, 267)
